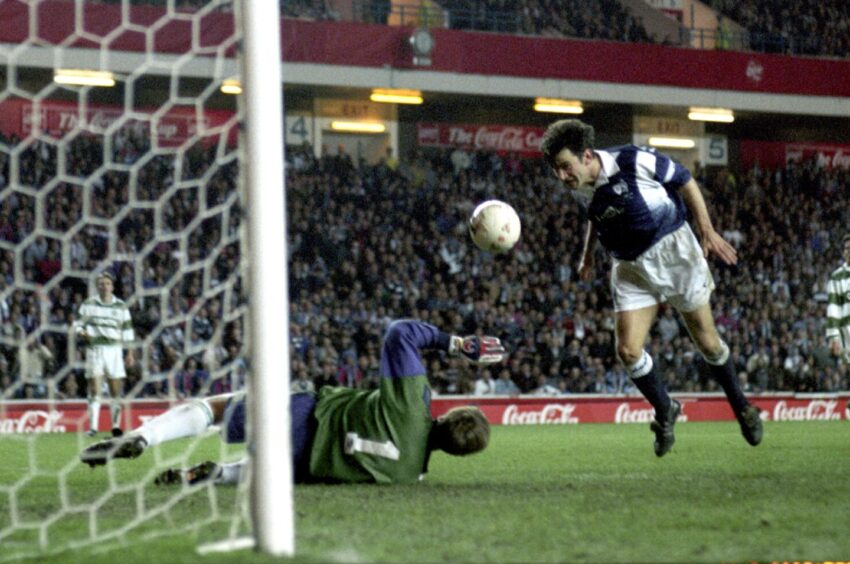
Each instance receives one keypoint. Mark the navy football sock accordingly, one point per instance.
(646, 379)
(728, 380)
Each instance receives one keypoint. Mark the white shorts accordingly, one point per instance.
(673, 270)
(105, 361)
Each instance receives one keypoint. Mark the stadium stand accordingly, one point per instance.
(354, 266)
(807, 27)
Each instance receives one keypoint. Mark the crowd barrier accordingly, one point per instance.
(70, 416)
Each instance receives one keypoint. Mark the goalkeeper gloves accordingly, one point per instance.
(478, 350)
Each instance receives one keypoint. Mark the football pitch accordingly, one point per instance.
(583, 493)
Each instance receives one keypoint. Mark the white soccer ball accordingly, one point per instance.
(494, 226)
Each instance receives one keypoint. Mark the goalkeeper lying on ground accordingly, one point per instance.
(341, 434)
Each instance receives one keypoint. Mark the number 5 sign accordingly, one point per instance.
(714, 150)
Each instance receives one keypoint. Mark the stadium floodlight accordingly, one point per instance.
(396, 96)
(358, 126)
(672, 142)
(231, 86)
(558, 106)
(721, 115)
(83, 77)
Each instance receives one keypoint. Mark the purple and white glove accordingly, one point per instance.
(478, 350)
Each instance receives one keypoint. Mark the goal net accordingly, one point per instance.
(119, 153)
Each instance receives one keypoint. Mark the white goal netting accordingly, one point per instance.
(140, 179)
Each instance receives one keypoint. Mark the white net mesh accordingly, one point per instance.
(140, 179)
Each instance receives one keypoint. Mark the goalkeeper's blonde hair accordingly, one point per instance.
(462, 430)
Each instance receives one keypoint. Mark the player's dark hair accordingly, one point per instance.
(572, 134)
(845, 239)
(461, 431)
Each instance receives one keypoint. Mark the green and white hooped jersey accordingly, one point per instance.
(373, 435)
(838, 308)
(105, 323)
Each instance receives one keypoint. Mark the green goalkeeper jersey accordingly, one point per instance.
(373, 435)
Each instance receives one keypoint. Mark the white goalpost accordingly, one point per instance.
(152, 172)
(272, 472)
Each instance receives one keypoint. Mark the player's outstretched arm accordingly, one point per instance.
(711, 241)
(478, 350)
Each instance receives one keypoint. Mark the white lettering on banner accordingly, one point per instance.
(429, 135)
(625, 414)
(839, 159)
(755, 71)
(459, 136)
(551, 413)
(815, 410)
(33, 421)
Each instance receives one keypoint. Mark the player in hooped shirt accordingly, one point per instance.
(637, 202)
(341, 434)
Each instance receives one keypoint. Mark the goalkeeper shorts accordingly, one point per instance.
(301, 408)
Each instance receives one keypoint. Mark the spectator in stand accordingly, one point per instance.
(504, 385)
(35, 362)
(545, 388)
(485, 385)
(302, 382)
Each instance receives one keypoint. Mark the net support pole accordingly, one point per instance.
(269, 327)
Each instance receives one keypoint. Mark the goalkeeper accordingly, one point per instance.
(341, 434)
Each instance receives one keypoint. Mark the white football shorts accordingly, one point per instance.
(672, 270)
(105, 360)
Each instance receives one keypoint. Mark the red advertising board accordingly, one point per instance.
(562, 410)
(172, 128)
(360, 44)
(501, 138)
(70, 416)
(773, 154)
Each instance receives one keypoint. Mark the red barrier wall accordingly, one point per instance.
(357, 44)
(70, 416)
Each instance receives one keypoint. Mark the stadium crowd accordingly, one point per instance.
(807, 27)
(587, 19)
(369, 243)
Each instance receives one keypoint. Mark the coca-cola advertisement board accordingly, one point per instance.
(70, 416)
(500, 138)
(567, 410)
(773, 154)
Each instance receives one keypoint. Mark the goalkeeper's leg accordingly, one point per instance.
(219, 474)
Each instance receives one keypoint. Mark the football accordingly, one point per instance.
(494, 226)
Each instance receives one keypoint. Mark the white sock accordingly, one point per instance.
(115, 410)
(231, 473)
(94, 415)
(186, 420)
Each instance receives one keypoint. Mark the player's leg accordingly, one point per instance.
(113, 361)
(116, 394)
(185, 420)
(94, 382)
(232, 415)
(636, 306)
(632, 328)
(703, 331)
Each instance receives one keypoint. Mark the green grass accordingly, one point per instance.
(539, 493)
